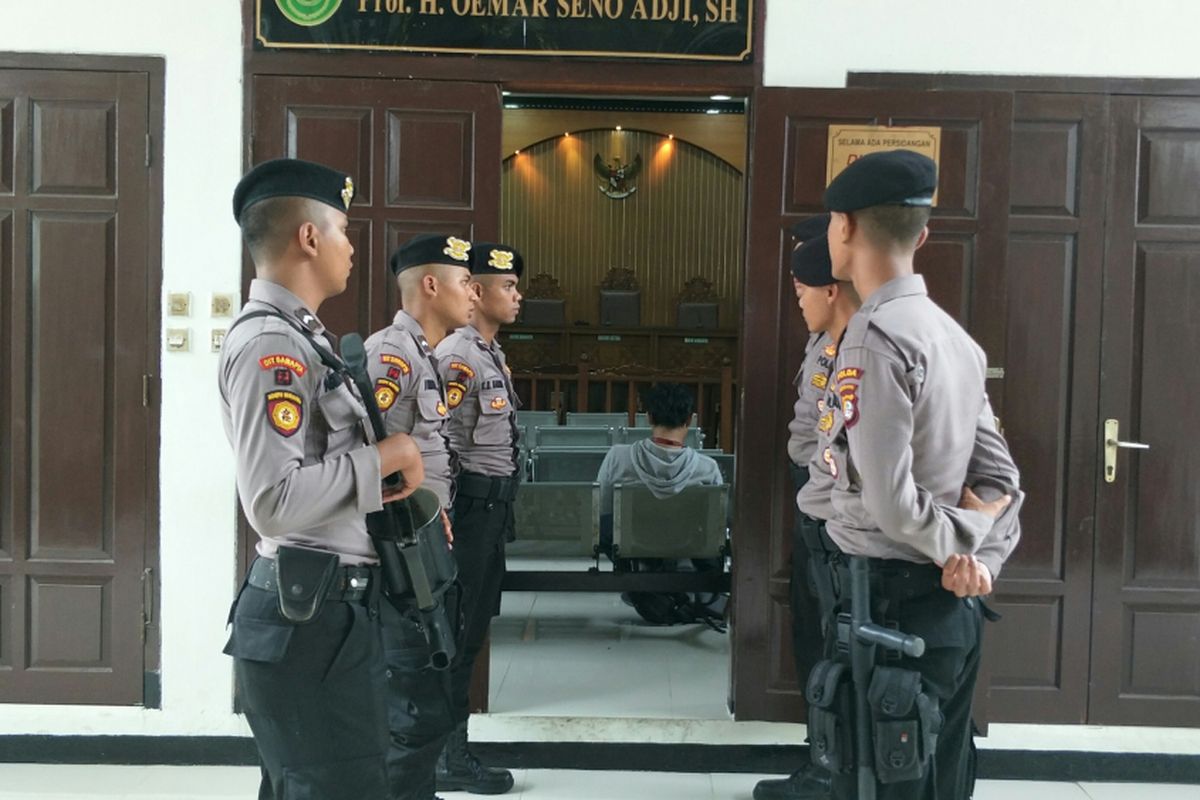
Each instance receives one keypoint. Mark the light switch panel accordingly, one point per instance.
(177, 340)
(179, 304)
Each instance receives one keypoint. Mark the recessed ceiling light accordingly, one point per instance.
(618, 127)
(720, 97)
(713, 111)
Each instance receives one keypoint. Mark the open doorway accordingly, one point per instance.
(630, 215)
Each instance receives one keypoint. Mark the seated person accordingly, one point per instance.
(665, 466)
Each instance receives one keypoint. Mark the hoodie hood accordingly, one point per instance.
(665, 471)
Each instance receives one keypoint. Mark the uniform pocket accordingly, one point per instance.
(492, 428)
(261, 640)
(341, 408)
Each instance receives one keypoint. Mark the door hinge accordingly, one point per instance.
(149, 149)
(145, 391)
(147, 597)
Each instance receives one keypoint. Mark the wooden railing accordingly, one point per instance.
(562, 391)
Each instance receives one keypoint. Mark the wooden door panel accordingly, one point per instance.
(430, 158)
(1145, 663)
(1039, 653)
(339, 137)
(76, 313)
(964, 264)
(6, 145)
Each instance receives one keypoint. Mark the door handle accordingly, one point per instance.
(1112, 443)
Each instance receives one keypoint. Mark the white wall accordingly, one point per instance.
(816, 42)
(809, 43)
(201, 254)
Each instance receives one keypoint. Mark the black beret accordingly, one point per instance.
(489, 258)
(431, 248)
(811, 264)
(291, 177)
(810, 228)
(889, 178)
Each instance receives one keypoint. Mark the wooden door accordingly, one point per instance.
(1145, 666)
(1038, 655)
(79, 326)
(425, 157)
(964, 265)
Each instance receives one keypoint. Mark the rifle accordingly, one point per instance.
(861, 636)
(409, 554)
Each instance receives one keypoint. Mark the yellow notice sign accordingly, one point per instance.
(850, 142)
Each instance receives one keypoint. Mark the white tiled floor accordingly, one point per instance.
(55, 782)
(581, 655)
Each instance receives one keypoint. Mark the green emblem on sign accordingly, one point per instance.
(308, 12)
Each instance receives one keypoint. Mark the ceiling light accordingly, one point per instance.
(713, 111)
(720, 97)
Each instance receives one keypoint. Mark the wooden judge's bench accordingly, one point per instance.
(599, 368)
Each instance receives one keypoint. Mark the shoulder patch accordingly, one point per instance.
(386, 392)
(455, 392)
(285, 412)
(281, 361)
(465, 369)
(395, 361)
(847, 389)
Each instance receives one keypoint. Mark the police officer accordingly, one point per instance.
(910, 428)
(483, 431)
(433, 276)
(827, 305)
(305, 638)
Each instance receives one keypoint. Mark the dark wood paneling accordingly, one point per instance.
(1039, 652)
(965, 262)
(74, 265)
(79, 445)
(1146, 616)
(1025, 84)
(74, 147)
(6, 145)
(686, 219)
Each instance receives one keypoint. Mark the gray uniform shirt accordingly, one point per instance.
(909, 424)
(810, 384)
(306, 474)
(483, 404)
(410, 395)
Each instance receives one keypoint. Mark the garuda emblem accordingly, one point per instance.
(618, 177)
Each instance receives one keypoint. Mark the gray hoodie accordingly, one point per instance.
(665, 471)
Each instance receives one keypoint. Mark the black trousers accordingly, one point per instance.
(314, 695)
(419, 715)
(952, 628)
(481, 529)
(807, 614)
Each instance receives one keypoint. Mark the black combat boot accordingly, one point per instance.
(458, 770)
(806, 783)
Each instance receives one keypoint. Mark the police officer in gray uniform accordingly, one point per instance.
(433, 275)
(827, 305)
(305, 638)
(483, 431)
(909, 438)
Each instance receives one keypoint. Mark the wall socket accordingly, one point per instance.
(222, 305)
(179, 304)
(177, 340)
(218, 339)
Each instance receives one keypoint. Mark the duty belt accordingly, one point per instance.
(487, 487)
(350, 584)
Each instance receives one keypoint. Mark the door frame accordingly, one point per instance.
(154, 68)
